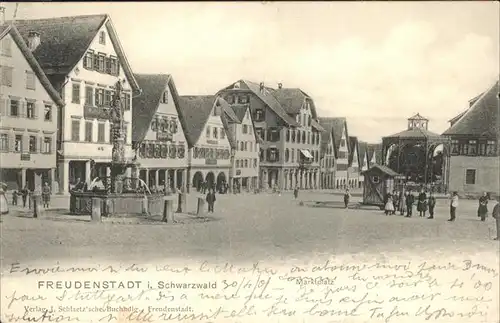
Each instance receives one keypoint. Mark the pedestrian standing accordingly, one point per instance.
(296, 192)
(496, 215)
(389, 205)
(453, 206)
(432, 204)
(422, 203)
(14, 197)
(46, 192)
(347, 197)
(24, 195)
(211, 200)
(482, 210)
(4, 207)
(402, 202)
(395, 201)
(410, 199)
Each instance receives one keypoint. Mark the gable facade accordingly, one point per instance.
(328, 164)
(28, 118)
(342, 165)
(245, 166)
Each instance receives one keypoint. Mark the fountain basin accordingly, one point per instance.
(114, 204)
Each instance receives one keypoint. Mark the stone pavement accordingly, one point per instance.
(249, 226)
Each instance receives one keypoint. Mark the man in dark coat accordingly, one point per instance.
(482, 210)
(211, 200)
(410, 199)
(432, 204)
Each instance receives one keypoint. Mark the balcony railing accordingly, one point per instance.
(92, 112)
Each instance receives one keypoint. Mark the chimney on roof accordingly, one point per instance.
(33, 40)
(280, 85)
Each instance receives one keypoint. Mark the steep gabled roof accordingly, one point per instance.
(146, 105)
(37, 69)
(315, 124)
(481, 119)
(270, 100)
(383, 169)
(228, 118)
(239, 111)
(196, 111)
(362, 153)
(374, 149)
(64, 41)
(325, 135)
(292, 100)
(353, 147)
(338, 125)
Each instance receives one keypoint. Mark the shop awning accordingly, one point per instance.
(306, 153)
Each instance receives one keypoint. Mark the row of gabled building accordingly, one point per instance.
(58, 78)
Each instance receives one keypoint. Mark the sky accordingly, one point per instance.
(375, 63)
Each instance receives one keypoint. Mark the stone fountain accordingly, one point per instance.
(121, 195)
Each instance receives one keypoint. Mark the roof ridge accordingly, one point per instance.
(63, 17)
(475, 105)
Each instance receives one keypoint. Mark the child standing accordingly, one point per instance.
(211, 200)
(389, 205)
(347, 197)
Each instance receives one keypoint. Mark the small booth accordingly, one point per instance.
(378, 181)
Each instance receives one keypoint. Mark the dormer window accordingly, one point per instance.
(102, 38)
(164, 98)
(259, 115)
(243, 99)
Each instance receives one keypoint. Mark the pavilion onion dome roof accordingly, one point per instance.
(417, 133)
(481, 119)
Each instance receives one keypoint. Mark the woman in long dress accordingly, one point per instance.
(4, 206)
(389, 205)
(422, 203)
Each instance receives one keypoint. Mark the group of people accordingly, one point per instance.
(25, 193)
(403, 202)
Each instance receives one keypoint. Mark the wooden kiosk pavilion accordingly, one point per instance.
(379, 180)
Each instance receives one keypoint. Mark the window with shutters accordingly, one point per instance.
(102, 38)
(14, 108)
(287, 155)
(47, 113)
(30, 80)
(273, 155)
(107, 63)
(99, 97)
(293, 155)
(101, 59)
(114, 65)
(88, 131)
(245, 129)
(30, 110)
(6, 47)
(75, 98)
(304, 137)
(470, 176)
(273, 134)
(75, 130)
(164, 97)
(47, 145)
(4, 142)
(100, 132)
(259, 115)
(491, 148)
(89, 96)
(18, 143)
(208, 132)
(126, 97)
(216, 133)
(6, 72)
(88, 61)
(107, 98)
(242, 146)
(32, 144)
(96, 62)
(246, 163)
